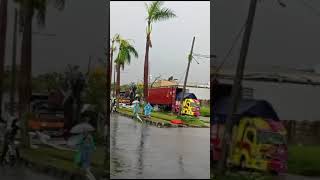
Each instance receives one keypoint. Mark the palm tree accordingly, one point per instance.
(156, 13)
(124, 57)
(3, 32)
(29, 8)
(114, 39)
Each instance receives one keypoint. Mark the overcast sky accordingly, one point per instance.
(281, 36)
(80, 31)
(171, 40)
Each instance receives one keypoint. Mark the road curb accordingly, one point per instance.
(162, 124)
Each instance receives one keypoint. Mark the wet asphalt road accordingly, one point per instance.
(144, 151)
(21, 173)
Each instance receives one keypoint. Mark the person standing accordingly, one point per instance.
(136, 109)
(147, 110)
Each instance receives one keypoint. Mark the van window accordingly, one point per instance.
(250, 136)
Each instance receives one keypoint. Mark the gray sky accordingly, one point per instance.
(281, 36)
(171, 39)
(80, 31)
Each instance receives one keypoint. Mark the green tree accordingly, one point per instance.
(126, 50)
(28, 9)
(155, 13)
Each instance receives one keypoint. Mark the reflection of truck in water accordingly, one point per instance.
(258, 140)
(169, 99)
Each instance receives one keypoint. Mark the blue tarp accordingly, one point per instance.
(246, 107)
(186, 95)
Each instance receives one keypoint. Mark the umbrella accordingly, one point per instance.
(74, 140)
(135, 101)
(81, 128)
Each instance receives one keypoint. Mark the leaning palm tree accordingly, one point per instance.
(28, 9)
(3, 31)
(156, 13)
(126, 50)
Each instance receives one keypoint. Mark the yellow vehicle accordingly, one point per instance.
(260, 144)
(191, 107)
(258, 136)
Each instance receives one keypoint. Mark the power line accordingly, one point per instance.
(230, 50)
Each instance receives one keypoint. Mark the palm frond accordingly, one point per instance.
(59, 4)
(163, 14)
(41, 8)
(154, 7)
(133, 51)
(126, 50)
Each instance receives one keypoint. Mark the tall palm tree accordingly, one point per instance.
(115, 39)
(126, 50)
(28, 9)
(3, 32)
(156, 13)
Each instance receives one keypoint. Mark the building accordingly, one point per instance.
(293, 93)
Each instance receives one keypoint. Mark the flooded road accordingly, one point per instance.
(143, 151)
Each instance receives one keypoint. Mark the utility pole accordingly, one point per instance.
(236, 89)
(89, 65)
(13, 65)
(3, 32)
(114, 81)
(185, 79)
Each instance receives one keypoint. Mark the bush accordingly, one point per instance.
(205, 111)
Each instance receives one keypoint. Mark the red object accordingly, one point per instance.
(277, 166)
(215, 142)
(162, 96)
(176, 121)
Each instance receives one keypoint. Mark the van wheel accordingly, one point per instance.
(242, 163)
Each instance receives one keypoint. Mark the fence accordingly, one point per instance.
(204, 102)
(303, 132)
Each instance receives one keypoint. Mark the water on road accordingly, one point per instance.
(144, 151)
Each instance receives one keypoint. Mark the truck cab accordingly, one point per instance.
(260, 144)
(258, 135)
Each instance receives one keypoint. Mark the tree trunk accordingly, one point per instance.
(118, 84)
(25, 69)
(110, 64)
(146, 70)
(3, 32)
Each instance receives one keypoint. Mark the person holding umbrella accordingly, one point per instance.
(85, 144)
(136, 109)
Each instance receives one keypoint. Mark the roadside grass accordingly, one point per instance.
(230, 175)
(304, 160)
(205, 111)
(62, 159)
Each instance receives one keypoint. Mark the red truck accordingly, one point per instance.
(163, 96)
(169, 99)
